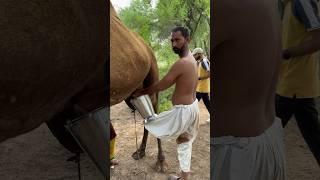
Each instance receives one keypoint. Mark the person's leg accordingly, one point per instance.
(112, 152)
(212, 159)
(112, 145)
(206, 101)
(309, 124)
(198, 96)
(184, 156)
(284, 109)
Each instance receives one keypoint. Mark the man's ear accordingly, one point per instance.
(188, 39)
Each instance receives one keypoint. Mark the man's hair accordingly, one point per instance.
(184, 31)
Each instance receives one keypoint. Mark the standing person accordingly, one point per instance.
(182, 121)
(299, 76)
(113, 136)
(247, 137)
(203, 88)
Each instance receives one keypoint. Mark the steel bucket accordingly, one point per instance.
(144, 106)
(91, 133)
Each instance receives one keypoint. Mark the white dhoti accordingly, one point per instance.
(171, 124)
(249, 158)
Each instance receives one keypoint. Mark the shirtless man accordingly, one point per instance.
(182, 121)
(246, 138)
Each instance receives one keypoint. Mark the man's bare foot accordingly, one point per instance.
(184, 137)
(174, 177)
(184, 176)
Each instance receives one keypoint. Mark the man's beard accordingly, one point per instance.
(177, 50)
(198, 58)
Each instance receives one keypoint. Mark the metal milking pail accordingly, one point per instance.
(144, 106)
(91, 133)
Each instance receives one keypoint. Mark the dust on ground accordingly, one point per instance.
(38, 155)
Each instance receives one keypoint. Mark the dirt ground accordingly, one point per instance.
(300, 163)
(38, 155)
(123, 121)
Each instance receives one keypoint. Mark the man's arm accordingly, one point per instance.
(206, 76)
(305, 48)
(168, 80)
(308, 14)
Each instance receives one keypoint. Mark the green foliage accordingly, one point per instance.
(165, 59)
(139, 18)
(154, 24)
(194, 14)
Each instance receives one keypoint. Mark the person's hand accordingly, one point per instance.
(139, 92)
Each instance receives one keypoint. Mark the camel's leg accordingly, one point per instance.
(140, 153)
(161, 165)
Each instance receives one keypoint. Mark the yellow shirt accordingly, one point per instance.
(203, 70)
(299, 76)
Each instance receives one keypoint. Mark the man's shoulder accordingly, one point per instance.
(307, 12)
(184, 62)
(179, 63)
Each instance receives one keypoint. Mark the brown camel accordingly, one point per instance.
(133, 65)
(52, 58)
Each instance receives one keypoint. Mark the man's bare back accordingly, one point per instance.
(186, 83)
(247, 53)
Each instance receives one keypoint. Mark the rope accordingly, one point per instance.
(138, 167)
(79, 169)
(135, 131)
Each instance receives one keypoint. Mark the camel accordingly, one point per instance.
(52, 60)
(53, 66)
(133, 66)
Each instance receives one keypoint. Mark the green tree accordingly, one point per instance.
(154, 25)
(194, 14)
(139, 17)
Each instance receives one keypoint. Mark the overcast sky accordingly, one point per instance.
(117, 4)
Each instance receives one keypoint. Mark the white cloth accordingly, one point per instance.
(184, 156)
(249, 158)
(170, 124)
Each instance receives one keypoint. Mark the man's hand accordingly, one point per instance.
(139, 92)
(204, 77)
